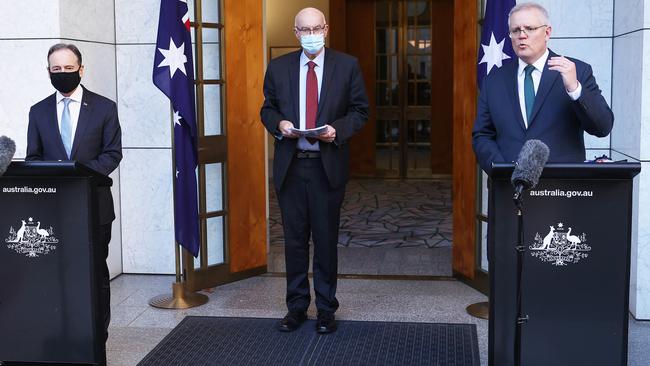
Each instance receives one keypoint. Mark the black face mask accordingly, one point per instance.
(65, 82)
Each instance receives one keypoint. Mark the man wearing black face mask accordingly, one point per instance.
(77, 124)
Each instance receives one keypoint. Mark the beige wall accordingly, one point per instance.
(280, 16)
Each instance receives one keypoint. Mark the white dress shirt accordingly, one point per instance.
(537, 76)
(319, 60)
(74, 106)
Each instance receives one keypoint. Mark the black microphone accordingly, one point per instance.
(529, 166)
(7, 151)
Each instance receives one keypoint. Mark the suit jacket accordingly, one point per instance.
(343, 104)
(499, 131)
(97, 142)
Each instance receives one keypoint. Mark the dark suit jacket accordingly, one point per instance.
(343, 104)
(499, 132)
(97, 142)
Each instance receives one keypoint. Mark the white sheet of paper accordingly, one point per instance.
(312, 132)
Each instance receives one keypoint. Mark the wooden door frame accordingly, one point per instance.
(464, 171)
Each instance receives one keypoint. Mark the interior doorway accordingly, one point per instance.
(453, 27)
(404, 48)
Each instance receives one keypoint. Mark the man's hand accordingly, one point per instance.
(329, 135)
(568, 71)
(285, 128)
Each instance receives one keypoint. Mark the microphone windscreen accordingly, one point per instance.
(7, 151)
(530, 163)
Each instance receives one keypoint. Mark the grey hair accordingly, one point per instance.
(530, 5)
(64, 46)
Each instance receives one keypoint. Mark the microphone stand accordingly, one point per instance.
(521, 318)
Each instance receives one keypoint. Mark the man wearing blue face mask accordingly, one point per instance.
(315, 87)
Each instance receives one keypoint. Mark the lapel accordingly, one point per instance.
(549, 77)
(513, 88)
(52, 125)
(294, 81)
(82, 123)
(328, 73)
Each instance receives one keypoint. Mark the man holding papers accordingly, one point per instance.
(315, 101)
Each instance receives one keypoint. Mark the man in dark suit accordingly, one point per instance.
(310, 88)
(540, 96)
(77, 124)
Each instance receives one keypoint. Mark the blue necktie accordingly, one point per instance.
(529, 91)
(66, 127)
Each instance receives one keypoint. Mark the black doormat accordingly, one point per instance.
(254, 341)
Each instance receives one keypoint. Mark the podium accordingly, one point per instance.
(49, 268)
(576, 267)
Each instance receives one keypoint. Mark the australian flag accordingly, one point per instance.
(496, 48)
(173, 74)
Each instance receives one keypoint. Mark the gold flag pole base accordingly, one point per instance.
(179, 299)
(479, 310)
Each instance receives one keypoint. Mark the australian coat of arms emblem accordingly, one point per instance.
(31, 239)
(560, 246)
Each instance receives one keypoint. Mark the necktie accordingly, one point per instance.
(66, 127)
(312, 99)
(529, 91)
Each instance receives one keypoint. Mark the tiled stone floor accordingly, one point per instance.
(388, 227)
(392, 213)
(136, 327)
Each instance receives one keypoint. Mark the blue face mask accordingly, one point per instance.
(312, 43)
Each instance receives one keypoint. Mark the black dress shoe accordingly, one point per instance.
(292, 321)
(326, 323)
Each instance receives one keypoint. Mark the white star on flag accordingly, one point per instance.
(177, 171)
(177, 118)
(174, 58)
(493, 53)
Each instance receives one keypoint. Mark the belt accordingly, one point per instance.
(304, 154)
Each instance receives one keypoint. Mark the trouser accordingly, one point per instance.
(104, 285)
(310, 207)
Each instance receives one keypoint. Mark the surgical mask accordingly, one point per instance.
(312, 43)
(65, 82)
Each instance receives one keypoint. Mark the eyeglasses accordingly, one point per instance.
(527, 30)
(319, 29)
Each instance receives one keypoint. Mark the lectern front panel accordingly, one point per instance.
(46, 292)
(575, 272)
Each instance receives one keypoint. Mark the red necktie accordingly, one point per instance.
(312, 99)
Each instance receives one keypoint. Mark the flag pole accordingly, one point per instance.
(180, 298)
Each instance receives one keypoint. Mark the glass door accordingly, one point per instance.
(403, 88)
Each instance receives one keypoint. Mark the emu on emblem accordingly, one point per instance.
(31, 239)
(560, 246)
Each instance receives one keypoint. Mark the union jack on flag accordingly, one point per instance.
(173, 74)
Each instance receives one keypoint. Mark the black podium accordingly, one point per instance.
(576, 268)
(49, 270)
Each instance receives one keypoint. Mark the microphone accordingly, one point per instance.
(7, 151)
(529, 166)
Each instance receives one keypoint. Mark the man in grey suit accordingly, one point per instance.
(77, 124)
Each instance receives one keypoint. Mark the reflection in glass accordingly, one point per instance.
(215, 240)
(210, 11)
(211, 61)
(213, 187)
(387, 145)
(212, 109)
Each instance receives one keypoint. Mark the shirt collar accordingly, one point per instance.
(76, 96)
(539, 64)
(318, 60)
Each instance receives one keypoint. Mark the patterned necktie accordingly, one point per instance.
(529, 91)
(311, 100)
(66, 127)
